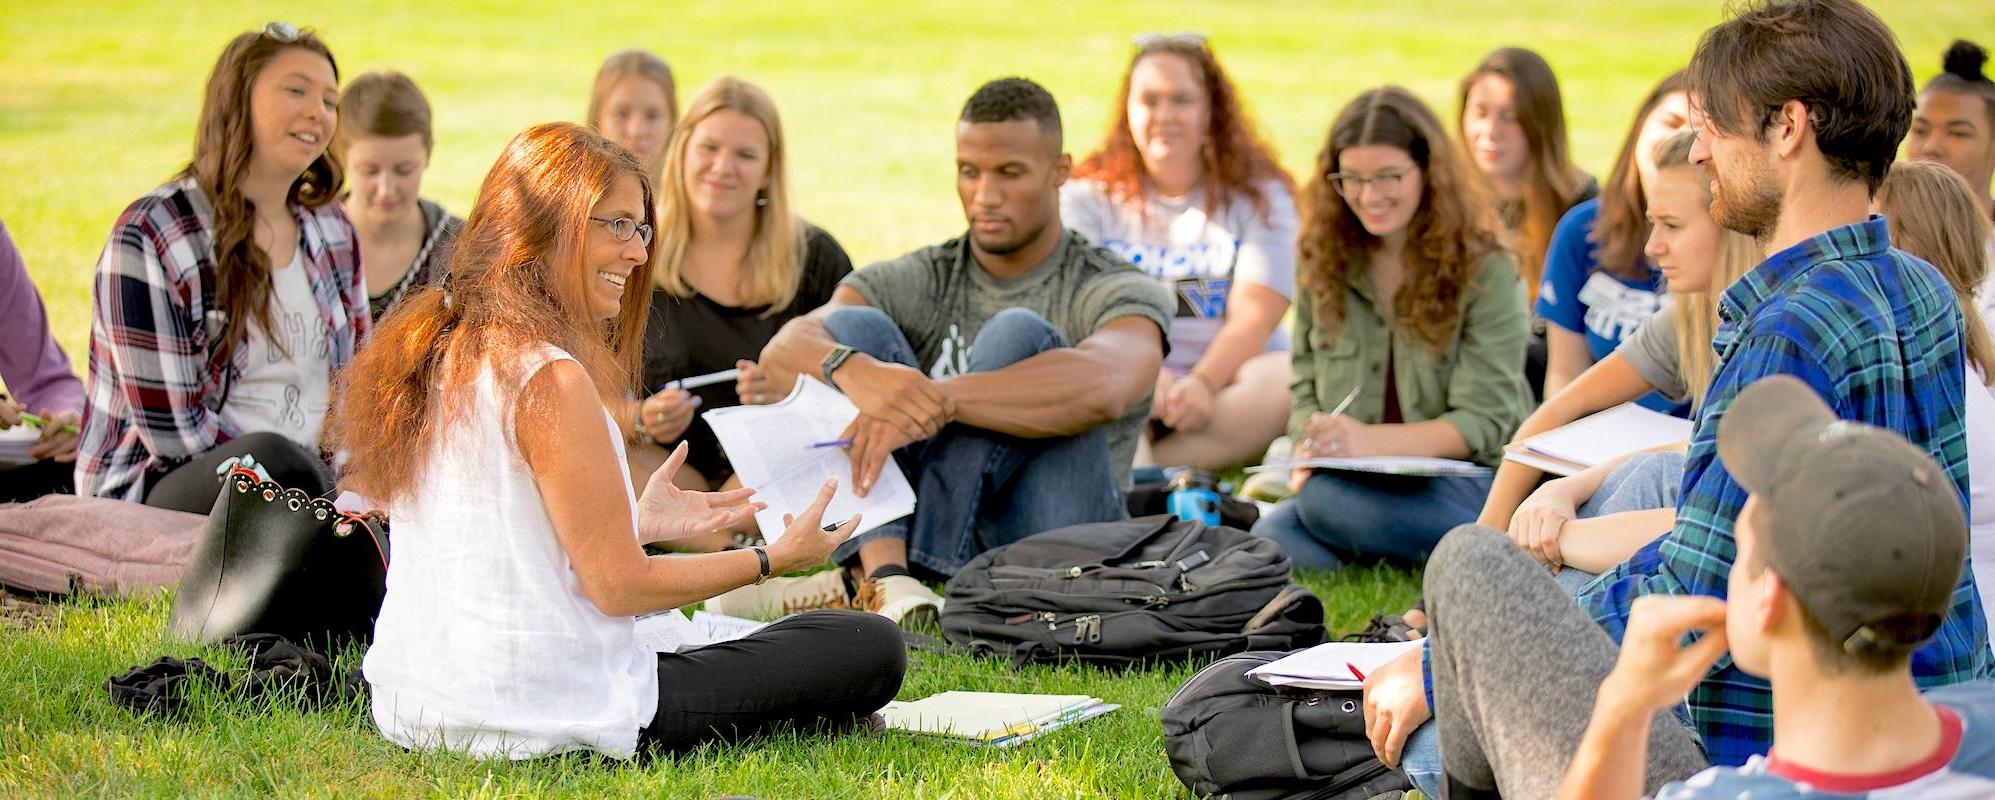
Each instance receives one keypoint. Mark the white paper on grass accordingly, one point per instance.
(1328, 666)
(770, 448)
(985, 716)
(1625, 428)
(671, 631)
(1388, 465)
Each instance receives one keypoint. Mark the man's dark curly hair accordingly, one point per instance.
(1008, 99)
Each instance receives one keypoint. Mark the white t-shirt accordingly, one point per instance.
(287, 380)
(1981, 487)
(486, 642)
(1198, 257)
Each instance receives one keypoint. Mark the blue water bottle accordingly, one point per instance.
(1194, 497)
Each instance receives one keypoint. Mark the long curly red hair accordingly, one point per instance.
(1452, 231)
(517, 281)
(1236, 158)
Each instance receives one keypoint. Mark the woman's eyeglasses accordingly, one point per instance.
(1349, 184)
(624, 227)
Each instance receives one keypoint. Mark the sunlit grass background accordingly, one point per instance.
(97, 102)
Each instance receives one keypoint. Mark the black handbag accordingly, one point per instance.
(279, 561)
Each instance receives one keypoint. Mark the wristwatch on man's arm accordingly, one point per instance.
(832, 361)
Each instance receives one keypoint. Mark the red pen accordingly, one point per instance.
(1354, 670)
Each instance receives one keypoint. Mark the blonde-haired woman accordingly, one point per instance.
(1670, 354)
(635, 103)
(734, 264)
(1932, 214)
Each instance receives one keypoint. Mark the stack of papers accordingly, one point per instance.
(776, 449)
(1330, 666)
(992, 719)
(1625, 428)
(672, 632)
(15, 443)
(1388, 465)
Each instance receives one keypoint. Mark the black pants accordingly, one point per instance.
(820, 670)
(193, 486)
(29, 481)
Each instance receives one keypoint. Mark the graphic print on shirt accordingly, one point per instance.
(297, 336)
(954, 357)
(1614, 309)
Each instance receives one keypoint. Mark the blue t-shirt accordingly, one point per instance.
(1962, 766)
(1580, 297)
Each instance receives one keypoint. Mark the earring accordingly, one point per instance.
(761, 198)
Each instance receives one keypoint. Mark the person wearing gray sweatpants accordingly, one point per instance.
(1515, 718)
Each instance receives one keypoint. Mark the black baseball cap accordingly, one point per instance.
(1864, 527)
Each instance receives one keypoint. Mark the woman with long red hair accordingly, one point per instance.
(479, 414)
(226, 300)
(1185, 189)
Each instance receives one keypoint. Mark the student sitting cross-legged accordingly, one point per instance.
(1796, 146)
(479, 414)
(1186, 190)
(1849, 547)
(226, 300)
(1008, 371)
(1587, 522)
(1411, 311)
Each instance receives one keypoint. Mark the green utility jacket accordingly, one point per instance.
(1477, 384)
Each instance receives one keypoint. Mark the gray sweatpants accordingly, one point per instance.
(1516, 665)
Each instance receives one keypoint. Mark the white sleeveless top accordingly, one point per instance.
(486, 643)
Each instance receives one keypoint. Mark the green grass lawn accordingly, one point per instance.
(60, 736)
(97, 101)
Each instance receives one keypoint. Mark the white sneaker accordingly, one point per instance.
(901, 598)
(781, 597)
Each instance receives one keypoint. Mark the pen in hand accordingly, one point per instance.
(832, 443)
(40, 422)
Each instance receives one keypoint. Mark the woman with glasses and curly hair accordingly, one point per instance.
(1184, 188)
(226, 300)
(1409, 338)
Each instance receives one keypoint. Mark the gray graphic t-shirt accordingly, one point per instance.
(941, 297)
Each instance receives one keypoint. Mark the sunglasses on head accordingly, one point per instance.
(1145, 41)
(281, 31)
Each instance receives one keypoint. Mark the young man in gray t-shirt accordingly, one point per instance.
(1010, 369)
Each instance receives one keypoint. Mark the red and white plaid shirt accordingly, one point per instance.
(156, 385)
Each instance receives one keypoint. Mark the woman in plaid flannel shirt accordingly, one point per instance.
(226, 299)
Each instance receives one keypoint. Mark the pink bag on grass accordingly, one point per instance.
(61, 544)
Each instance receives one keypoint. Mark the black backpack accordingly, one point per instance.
(1229, 734)
(1119, 593)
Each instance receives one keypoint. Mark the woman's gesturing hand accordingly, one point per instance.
(667, 512)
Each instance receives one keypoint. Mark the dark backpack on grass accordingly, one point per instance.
(1229, 734)
(1119, 593)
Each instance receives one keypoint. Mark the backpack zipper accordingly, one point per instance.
(1087, 629)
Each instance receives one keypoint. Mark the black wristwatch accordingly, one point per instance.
(832, 360)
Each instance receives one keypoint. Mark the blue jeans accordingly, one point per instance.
(1647, 480)
(977, 489)
(1339, 516)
